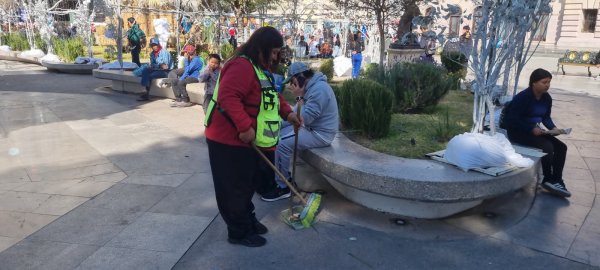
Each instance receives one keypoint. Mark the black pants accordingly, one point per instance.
(135, 55)
(179, 86)
(236, 172)
(556, 152)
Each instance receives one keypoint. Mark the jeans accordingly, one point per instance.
(556, 152)
(135, 55)
(285, 149)
(356, 62)
(149, 74)
(179, 85)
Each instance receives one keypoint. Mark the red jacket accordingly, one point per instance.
(239, 95)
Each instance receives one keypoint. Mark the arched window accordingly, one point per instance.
(454, 23)
(477, 15)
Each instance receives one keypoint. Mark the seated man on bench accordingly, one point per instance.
(179, 78)
(160, 64)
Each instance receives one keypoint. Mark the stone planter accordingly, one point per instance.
(403, 55)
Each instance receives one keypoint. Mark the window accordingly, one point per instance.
(477, 15)
(454, 25)
(589, 20)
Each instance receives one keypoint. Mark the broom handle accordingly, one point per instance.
(296, 131)
(266, 159)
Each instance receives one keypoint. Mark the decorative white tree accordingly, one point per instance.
(40, 17)
(83, 23)
(502, 40)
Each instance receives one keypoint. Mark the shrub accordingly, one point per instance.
(109, 53)
(327, 68)
(40, 43)
(417, 85)
(204, 56)
(226, 51)
(16, 41)
(455, 62)
(374, 72)
(365, 105)
(68, 49)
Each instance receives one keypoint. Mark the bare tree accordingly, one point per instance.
(381, 10)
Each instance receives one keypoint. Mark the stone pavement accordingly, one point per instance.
(91, 179)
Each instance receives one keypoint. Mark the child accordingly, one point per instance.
(209, 77)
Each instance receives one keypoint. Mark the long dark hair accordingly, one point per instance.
(537, 75)
(262, 41)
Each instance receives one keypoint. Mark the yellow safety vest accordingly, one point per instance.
(268, 122)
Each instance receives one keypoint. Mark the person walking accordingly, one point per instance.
(181, 77)
(528, 110)
(245, 110)
(136, 39)
(209, 78)
(160, 64)
(320, 117)
(356, 56)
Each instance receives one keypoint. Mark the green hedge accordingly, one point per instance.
(327, 68)
(416, 86)
(16, 41)
(366, 106)
(226, 51)
(68, 49)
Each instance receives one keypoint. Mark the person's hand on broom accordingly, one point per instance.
(295, 119)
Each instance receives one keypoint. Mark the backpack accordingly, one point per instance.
(502, 122)
(143, 41)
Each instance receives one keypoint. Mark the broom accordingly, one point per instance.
(307, 214)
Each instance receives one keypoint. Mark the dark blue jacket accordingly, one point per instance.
(526, 111)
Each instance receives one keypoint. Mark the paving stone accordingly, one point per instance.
(111, 258)
(44, 255)
(14, 175)
(21, 201)
(20, 225)
(74, 173)
(59, 205)
(585, 248)
(130, 197)
(47, 187)
(10, 186)
(581, 185)
(577, 174)
(48, 164)
(169, 180)
(582, 198)
(6, 242)
(195, 197)
(87, 189)
(161, 232)
(87, 225)
(115, 177)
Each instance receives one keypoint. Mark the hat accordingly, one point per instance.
(154, 41)
(295, 69)
(189, 48)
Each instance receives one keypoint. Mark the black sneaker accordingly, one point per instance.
(556, 187)
(253, 240)
(144, 97)
(259, 228)
(276, 194)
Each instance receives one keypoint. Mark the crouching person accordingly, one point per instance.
(160, 64)
(319, 112)
(181, 77)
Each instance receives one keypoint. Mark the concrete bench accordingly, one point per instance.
(70, 68)
(125, 81)
(575, 58)
(409, 187)
(14, 56)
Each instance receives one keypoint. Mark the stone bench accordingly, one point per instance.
(409, 187)
(14, 56)
(125, 81)
(70, 68)
(576, 58)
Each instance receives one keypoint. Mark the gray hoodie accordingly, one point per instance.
(320, 110)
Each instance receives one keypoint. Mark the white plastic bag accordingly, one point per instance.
(475, 150)
(4, 48)
(53, 58)
(341, 65)
(32, 53)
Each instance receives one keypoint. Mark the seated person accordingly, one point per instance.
(321, 122)
(209, 77)
(160, 64)
(528, 109)
(179, 78)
